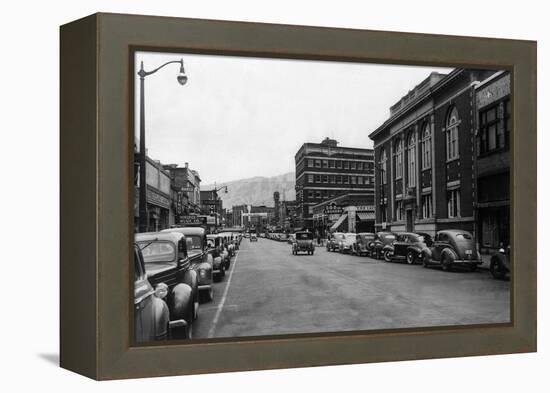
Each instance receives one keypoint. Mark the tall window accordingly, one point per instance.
(383, 165)
(426, 147)
(411, 160)
(427, 206)
(494, 127)
(310, 178)
(310, 163)
(398, 158)
(398, 210)
(451, 133)
(453, 203)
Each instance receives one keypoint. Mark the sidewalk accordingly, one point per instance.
(486, 261)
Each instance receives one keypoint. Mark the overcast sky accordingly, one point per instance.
(241, 117)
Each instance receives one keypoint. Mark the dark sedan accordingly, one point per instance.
(453, 247)
(408, 246)
(381, 239)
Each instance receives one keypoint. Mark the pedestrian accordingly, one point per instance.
(318, 238)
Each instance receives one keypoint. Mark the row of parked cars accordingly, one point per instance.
(174, 271)
(449, 248)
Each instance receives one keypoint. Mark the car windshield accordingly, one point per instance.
(366, 237)
(389, 237)
(158, 251)
(339, 236)
(304, 236)
(195, 242)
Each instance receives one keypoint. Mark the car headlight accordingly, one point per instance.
(161, 290)
(202, 273)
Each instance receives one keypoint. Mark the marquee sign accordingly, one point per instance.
(333, 209)
(188, 220)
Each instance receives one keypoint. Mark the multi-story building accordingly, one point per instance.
(159, 199)
(212, 206)
(349, 212)
(425, 156)
(325, 170)
(492, 169)
(188, 181)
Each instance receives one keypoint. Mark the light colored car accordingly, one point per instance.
(347, 243)
(253, 237)
(169, 271)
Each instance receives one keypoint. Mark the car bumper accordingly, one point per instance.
(205, 287)
(467, 261)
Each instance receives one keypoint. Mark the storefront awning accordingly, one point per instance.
(340, 221)
(366, 216)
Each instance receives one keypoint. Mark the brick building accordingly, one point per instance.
(492, 169)
(325, 170)
(425, 156)
(186, 181)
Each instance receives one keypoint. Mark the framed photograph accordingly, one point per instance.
(242, 196)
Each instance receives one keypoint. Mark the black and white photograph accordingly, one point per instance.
(286, 196)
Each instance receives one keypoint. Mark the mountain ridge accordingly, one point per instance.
(256, 190)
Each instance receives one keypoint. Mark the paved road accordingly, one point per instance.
(269, 291)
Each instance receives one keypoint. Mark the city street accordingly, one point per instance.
(269, 291)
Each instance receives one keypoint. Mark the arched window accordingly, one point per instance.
(451, 133)
(383, 166)
(411, 160)
(426, 147)
(398, 153)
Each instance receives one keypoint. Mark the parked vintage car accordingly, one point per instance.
(168, 270)
(220, 257)
(228, 242)
(500, 264)
(303, 243)
(347, 243)
(381, 239)
(452, 247)
(334, 240)
(253, 237)
(199, 257)
(408, 246)
(151, 315)
(362, 242)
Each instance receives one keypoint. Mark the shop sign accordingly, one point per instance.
(191, 220)
(333, 209)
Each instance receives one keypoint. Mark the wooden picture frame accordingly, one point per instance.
(96, 195)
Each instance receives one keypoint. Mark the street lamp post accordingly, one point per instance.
(215, 192)
(182, 79)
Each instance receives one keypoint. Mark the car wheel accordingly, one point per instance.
(387, 256)
(189, 331)
(312, 251)
(222, 271)
(411, 257)
(446, 263)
